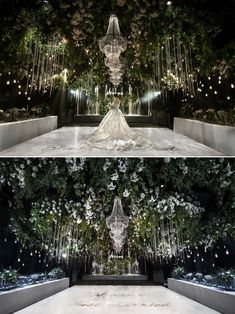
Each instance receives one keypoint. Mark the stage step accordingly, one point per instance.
(115, 283)
(94, 120)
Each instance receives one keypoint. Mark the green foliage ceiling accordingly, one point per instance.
(145, 23)
(79, 193)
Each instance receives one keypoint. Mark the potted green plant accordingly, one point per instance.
(178, 272)
(225, 279)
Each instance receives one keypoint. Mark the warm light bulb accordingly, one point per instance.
(14, 81)
(215, 92)
(232, 85)
(216, 256)
(228, 97)
(210, 87)
(19, 93)
(206, 95)
(28, 98)
(8, 82)
(227, 252)
(19, 86)
(209, 78)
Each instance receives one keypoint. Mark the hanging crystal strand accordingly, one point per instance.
(155, 243)
(33, 67)
(180, 63)
(158, 70)
(191, 71)
(175, 59)
(138, 103)
(58, 240)
(130, 100)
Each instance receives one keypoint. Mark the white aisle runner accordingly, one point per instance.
(70, 141)
(117, 299)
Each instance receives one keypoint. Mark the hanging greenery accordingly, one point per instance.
(60, 205)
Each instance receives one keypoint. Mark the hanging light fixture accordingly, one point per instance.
(112, 45)
(117, 222)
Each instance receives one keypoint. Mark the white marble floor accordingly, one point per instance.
(70, 141)
(117, 299)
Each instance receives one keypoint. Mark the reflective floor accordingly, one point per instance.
(117, 299)
(70, 141)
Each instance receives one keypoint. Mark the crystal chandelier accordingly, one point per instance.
(112, 45)
(117, 222)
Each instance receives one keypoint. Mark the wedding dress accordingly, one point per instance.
(114, 133)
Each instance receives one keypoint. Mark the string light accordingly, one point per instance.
(216, 255)
(210, 87)
(227, 252)
(215, 92)
(206, 95)
(228, 97)
(232, 85)
(8, 82)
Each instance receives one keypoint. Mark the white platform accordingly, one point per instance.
(117, 300)
(219, 300)
(17, 299)
(13, 133)
(130, 277)
(219, 137)
(70, 141)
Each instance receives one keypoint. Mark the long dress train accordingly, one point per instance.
(114, 133)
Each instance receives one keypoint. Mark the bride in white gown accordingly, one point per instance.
(114, 133)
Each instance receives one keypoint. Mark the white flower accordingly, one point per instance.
(79, 220)
(87, 205)
(134, 177)
(142, 195)
(106, 165)
(114, 176)
(111, 187)
(126, 193)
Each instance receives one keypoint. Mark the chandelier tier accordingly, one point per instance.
(117, 222)
(112, 45)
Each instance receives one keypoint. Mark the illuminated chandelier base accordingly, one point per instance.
(117, 222)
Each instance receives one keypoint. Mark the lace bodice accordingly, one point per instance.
(115, 103)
